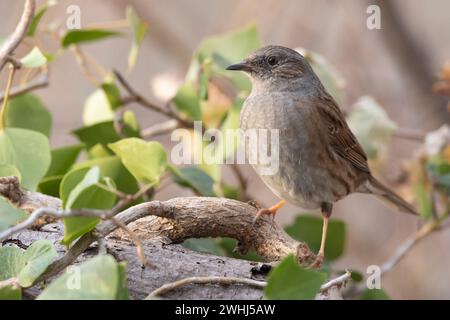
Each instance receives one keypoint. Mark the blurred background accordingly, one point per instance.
(396, 65)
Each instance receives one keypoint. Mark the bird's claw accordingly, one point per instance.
(263, 211)
(317, 263)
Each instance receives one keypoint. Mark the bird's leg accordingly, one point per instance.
(326, 213)
(269, 211)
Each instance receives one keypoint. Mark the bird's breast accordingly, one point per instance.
(303, 176)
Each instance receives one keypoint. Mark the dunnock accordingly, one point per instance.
(320, 160)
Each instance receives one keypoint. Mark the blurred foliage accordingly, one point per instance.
(23, 266)
(292, 282)
(374, 294)
(308, 228)
(100, 278)
(112, 158)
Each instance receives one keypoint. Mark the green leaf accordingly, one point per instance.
(424, 202)
(444, 182)
(38, 16)
(374, 294)
(100, 278)
(224, 50)
(231, 192)
(122, 290)
(63, 158)
(81, 36)
(36, 259)
(356, 276)
(146, 161)
(70, 181)
(308, 228)
(34, 59)
(113, 168)
(85, 194)
(97, 108)
(188, 102)
(139, 29)
(27, 265)
(102, 133)
(228, 245)
(99, 151)
(130, 124)
(91, 178)
(28, 151)
(112, 94)
(100, 105)
(289, 281)
(196, 179)
(372, 126)
(9, 170)
(37, 118)
(9, 215)
(50, 185)
(207, 245)
(10, 291)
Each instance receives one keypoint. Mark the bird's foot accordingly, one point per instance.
(317, 263)
(268, 211)
(263, 211)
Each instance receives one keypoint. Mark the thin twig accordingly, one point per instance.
(403, 250)
(137, 241)
(336, 282)
(406, 246)
(82, 62)
(116, 24)
(50, 212)
(5, 100)
(134, 96)
(204, 280)
(41, 81)
(19, 33)
(409, 134)
(159, 128)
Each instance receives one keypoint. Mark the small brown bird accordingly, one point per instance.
(320, 160)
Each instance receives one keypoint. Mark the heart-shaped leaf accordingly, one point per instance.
(84, 193)
(37, 118)
(194, 178)
(146, 161)
(99, 133)
(34, 59)
(26, 266)
(28, 151)
(9, 215)
(100, 105)
(100, 278)
(62, 159)
(289, 281)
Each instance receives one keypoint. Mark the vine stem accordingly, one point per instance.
(12, 71)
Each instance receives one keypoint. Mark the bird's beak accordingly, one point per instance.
(242, 66)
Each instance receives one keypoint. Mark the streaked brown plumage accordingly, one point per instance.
(320, 160)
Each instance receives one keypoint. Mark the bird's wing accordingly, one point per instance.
(341, 139)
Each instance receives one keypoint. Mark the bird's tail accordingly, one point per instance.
(387, 196)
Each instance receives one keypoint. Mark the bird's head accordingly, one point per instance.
(274, 64)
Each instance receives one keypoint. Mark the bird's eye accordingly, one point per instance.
(272, 60)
